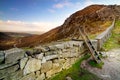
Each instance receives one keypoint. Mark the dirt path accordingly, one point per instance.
(111, 68)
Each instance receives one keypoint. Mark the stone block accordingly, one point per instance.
(51, 53)
(51, 57)
(37, 73)
(60, 61)
(67, 64)
(15, 76)
(7, 71)
(41, 77)
(2, 66)
(39, 56)
(30, 76)
(23, 62)
(69, 55)
(52, 47)
(13, 55)
(46, 66)
(32, 66)
(42, 48)
(2, 56)
(56, 68)
(43, 60)
(59, 46)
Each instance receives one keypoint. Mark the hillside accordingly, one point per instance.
(4, 36)
(94, 19)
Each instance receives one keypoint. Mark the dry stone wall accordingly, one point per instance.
(39, 63)
(42, 62)
(102, 38)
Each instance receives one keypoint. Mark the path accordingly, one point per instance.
(111, 68)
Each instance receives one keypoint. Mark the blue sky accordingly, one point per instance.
(40, 15)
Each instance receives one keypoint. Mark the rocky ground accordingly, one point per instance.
(111, 68)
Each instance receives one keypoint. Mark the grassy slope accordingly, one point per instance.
(114, 40)
(76, 73)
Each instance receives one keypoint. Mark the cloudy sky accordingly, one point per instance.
(40, 15)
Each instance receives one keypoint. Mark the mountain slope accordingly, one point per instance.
(92, 18)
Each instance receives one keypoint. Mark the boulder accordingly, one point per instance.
(32, 65)
(23, 62)
(46, 66)
(13, 55)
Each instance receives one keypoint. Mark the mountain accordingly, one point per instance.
(92, 18)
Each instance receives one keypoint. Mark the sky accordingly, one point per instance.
(40, 15)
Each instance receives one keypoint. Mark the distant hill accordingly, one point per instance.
(92, 19)
(4, 36)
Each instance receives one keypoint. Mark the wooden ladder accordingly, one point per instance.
(90, 46)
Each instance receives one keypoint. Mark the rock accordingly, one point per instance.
(69, 55)
(52, 48)
(46, 66)
(23, 62)
(2, 66)
(32, 65)
(39, 56)
(30, 76)
(51, 57)
(41, 77)
(56, 68)
(41, 48)
(15, 76)
(7, 71)
(13, 55)
(67, 64)
(43, 60)
(60, 61)
(2, 56)
(30, 53)
(60, 46)
(68, 78)
(37, 73)
(51, 53)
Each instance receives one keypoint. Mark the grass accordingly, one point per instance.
(94, 64)
(75, 72)
(114, 40)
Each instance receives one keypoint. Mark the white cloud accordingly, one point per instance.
(51, 10)
(88, 2)
(26, 26)
(62, 4)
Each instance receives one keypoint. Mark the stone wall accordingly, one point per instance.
(39, 63)
(42, 62)
(102, 38)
